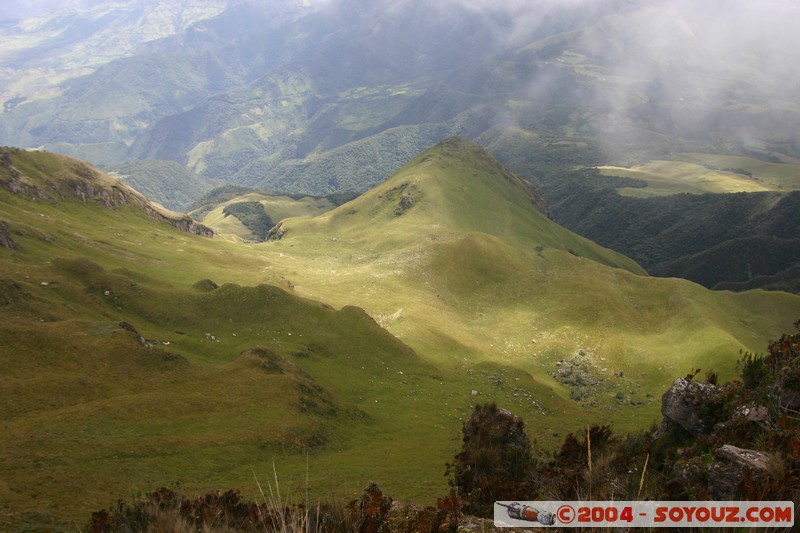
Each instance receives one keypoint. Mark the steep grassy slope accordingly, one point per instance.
(454, 189)
(220, 388)
(127, 368)
(52, 178)
(464, 281)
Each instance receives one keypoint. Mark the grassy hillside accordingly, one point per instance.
(464, 281)
(126, 368)
(454, 189)
(137, 355)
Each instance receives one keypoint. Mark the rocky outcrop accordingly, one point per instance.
(739, 440)
(70, 178)
(686, 404)
(732, 466)
(187, 224)
(13, 180)
(276, 233)
(118, 196)
(752, 413)
(138, 336)
(406, 202)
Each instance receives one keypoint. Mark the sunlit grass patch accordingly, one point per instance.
(674, 177)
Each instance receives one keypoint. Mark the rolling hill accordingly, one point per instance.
(125, 364)
(51, 178)
(454, 208)
(344, 351)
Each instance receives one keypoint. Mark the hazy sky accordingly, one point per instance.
(701, 61)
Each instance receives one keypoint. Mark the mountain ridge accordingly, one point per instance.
(458, 187)
(54, 178)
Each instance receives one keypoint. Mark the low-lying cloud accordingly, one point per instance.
(687, 68)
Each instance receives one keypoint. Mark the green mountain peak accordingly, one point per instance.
(452, 189)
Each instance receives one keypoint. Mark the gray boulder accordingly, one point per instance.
(689, 473)
(732, 464)
(685, 404)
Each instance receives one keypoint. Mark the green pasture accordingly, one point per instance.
(663, 178)
(697, 173)
(777, 173)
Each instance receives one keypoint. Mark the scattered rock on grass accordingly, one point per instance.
(6, 240)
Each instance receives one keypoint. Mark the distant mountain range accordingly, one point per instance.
(252, 92)
(45, 43)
